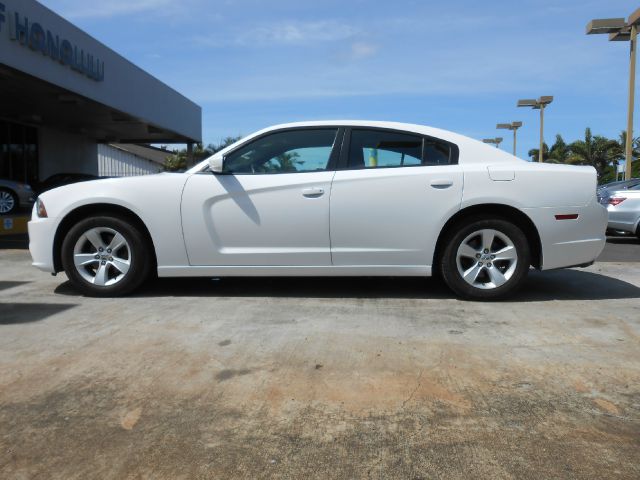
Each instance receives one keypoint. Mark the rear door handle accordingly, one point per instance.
(313, 192)
(441, 183)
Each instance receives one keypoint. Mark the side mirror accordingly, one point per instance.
(215, 163)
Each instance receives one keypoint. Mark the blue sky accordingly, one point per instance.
(459, 65)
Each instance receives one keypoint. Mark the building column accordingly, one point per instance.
(190, 162)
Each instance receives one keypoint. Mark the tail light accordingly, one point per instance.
(616, 200)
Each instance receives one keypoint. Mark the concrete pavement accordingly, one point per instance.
(320, 378)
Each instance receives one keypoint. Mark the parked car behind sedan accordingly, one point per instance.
(62, 179)
(605, 190)
(624, 210)
(14, 195)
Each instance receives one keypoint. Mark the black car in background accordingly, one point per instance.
(61, 179)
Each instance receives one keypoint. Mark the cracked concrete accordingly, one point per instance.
(326, 378)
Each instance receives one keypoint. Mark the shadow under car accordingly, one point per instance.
(570, 284)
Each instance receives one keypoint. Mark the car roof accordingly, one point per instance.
(619, 183)
(410, 127)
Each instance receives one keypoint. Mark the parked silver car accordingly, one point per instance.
(606, 189)
(14, 195)
(624, 210)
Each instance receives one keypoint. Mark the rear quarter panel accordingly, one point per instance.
(534, 185)
(542, 191)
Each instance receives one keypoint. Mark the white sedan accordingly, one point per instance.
(624, 210)
(343, 198)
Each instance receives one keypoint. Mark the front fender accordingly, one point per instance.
(154, 199)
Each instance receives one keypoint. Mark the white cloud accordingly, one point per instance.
(516, 70)
(363, 50)
(299, 32)
(281, 33)
(81, 9)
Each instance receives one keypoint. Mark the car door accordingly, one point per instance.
(391, 195)
(269, 207)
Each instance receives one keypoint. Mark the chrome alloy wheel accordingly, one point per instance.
(7, 202)
(102, 256)
(486, 259)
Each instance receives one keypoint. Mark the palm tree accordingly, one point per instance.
(178, 161)
(224, 143)
(597, 151)
(288, 161)
(635, 145)
(533, 153)
(560, 151)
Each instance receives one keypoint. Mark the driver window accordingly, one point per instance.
(292, 151)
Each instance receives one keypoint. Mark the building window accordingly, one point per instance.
(18, 152)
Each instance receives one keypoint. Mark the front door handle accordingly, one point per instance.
(441, 183)
(313, 192)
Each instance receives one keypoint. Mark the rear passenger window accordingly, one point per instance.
(377, 148)
(436, 153)
(385, 149)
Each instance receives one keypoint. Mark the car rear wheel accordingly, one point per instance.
(485, 259)
(8, 202)
(106, 256)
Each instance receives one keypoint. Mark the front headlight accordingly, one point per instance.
(41, 211)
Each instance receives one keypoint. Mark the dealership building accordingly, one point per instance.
(69, 104)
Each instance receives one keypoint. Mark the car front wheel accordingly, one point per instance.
(106, 256)
(485, 259)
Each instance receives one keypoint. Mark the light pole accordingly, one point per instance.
(494, 141)
(621, 31)
(511, 126)
(538, 104)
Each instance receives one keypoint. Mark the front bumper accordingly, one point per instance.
(41, 236)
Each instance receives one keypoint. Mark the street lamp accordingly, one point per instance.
(620, 31)
(538, 104)
(511, 126)
(495, 141)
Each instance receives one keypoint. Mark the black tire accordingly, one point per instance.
(138, 255)
(449, 261)
(16, 203)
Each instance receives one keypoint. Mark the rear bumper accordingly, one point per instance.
(567, 243)
(41, 236)
(621, 219)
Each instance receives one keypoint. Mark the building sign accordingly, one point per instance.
(34, 36)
